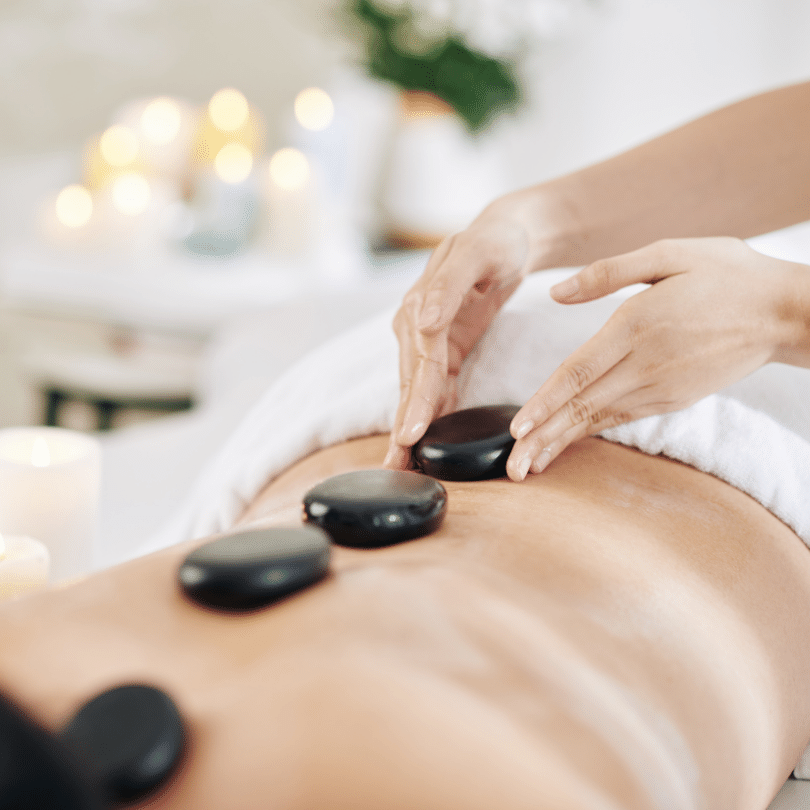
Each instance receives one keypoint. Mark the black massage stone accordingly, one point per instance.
(376, 508)
(255, 567)
(468, 445)
(37, 770)
(131, 738)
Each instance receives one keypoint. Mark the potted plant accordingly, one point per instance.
(455, 63)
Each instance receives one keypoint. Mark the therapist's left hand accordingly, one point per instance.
(716, 311)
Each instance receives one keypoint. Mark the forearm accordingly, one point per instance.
(740, 171)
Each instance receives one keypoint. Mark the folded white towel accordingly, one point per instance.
(755, 434)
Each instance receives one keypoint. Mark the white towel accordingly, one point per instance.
(755, 434)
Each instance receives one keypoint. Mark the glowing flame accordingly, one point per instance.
(314, 109)
(160, 121)
(74, 206)
(40, 454)
(131, 193)
(228, 109)
(233, 163)
(289, 169)
(119, 145)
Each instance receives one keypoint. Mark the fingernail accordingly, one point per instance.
(523, 467)
(567, 288)
(389, 457)
(524, 429)
(429, 317)
(542, 461)
(410, 434)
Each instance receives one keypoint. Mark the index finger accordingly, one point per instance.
(426, 389)
(609, 346)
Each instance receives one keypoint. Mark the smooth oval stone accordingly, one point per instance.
(376, 508)
(37, 769)
(468, 445)
(255, 567)
(131, 738)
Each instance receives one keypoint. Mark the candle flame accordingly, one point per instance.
(228, 109)
(161, 120)
(233, 163)
(40, 455)
(131, 193)
(314, 109)
(2, 547)
(119, 145)
(74, 206)
(289, 169)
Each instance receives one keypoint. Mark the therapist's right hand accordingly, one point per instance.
(467, 280)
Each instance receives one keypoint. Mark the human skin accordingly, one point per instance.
(621, 632)
(737, 172)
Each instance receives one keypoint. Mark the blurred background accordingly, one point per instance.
(193, 195)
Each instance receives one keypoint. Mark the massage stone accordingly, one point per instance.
(130, 738)
(37, 770)
(468, 445)
(255, 567)
(376, 508)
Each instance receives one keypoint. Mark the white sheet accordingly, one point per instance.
(754, 434)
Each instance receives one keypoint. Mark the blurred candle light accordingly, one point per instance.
(292, 204)
(228, 109)
(289, 169)
(24, 564)
(131, 193)
(314, 109)
(74, 206)
(119, 145)
(160, 121)
(49, 489)
(40, 455)
(233, 163)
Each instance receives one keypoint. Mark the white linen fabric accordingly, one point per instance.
(755, 434)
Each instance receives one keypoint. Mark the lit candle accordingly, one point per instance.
(49, 489)
(23, 565)
(292, 203)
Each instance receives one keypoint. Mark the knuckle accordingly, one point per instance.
(606, 273)
(580, 410)
(669, 253)
(412, 302)
(666, 247)
(579, 376)
(616, 419)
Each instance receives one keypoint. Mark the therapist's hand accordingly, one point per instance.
(716, 311)
(467, 280)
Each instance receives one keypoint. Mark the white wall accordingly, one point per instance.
(627, 70)
(66, 65)
(635, 68)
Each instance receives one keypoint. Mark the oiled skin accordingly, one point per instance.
(621, 631)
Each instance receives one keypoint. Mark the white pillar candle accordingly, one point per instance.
(293, 204)
(24, 564)
(49, 489)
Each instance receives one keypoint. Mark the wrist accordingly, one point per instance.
(792, 344)
(549, 221)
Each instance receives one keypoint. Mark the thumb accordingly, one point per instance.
(608, 275)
